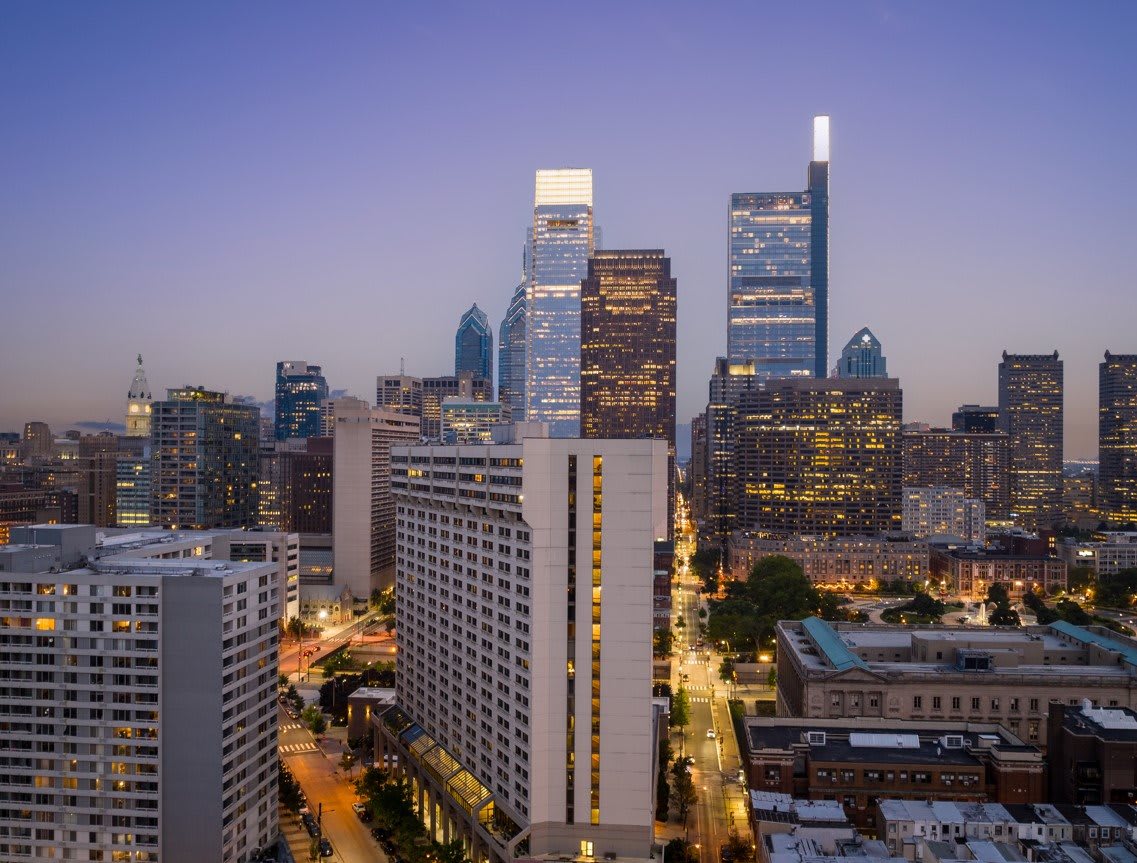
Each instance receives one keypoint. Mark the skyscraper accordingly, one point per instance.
(562, 243)
(1030, 410)
(138, 404)
(976, 418)
(436, 390)
(1117, 438)
(820, 456)
(977, 462)
(300, 388)
(729, 382)
(778, 265)
(204, 460)
(862, 357)
(473, 345)
(627, 349)
(511, 355)
(399, 393)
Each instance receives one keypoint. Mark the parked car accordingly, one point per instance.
(310, 825)
(325, 848)
(363, 811)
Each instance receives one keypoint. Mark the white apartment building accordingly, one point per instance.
(524, 621)
(1118, 551)
(138, 712)
(467, 420)
(941, 512)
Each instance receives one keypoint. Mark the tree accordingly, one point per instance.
(282, 681)
(1079, 579)
(704, 564)
(726, 671)
(997, 593)
(663, 642)
(314, 719)
(387, 601)
(741, 851)
(680, 709)
(772, 678)
(347, 761)
(775, 564)
(451, 852)
(1004, 615)
(288, 790)
(662, 789)
(370, 781)
(684, 787)
(314, 850)
(680, 851)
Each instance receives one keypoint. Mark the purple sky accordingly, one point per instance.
(221, 186)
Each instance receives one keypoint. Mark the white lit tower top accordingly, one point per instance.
(138, 404)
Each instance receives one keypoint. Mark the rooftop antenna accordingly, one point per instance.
(402, 365)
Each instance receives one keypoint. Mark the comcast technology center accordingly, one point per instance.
(562, 243)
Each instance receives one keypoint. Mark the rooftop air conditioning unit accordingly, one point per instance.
(953, 741)
(815, 738)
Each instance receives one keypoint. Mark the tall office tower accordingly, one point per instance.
(306, 487)
(473, 345)
(97, 475)
(152, 717)
(627, 351)
(729, 382)
(1030, 411)
(511, 355)
(300, 390)
(778, 264)
(862, 357)
(399, 393)
(132, 486)
(204, 460)
(436, 390)
(559, 758)
(977, 462)
(363, 511)
(976, 418)
(138, 404)
(1117, 437)
(698, 468)
(562, 242)
(38, 442)
(820, 456)
(470, 421)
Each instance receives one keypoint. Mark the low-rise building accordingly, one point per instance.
(840, 562)
(969, 572)
(1107, 556)
(1093, 754)
(1000, 675)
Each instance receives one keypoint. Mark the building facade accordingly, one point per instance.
(978, 463)
(471, 421)
(778, 265)
(820, 456)
(562, 242)
(558, 757)
(204, 460)
(436, 390)
(1117, 438)
(138, 402)
(940, 511)
(1031, 411)
(473, 345)
(1107, 556)
(842, 563)
(511, 354)
(399, 393)
(862, 357)
(969, 573)
(697, 469)
(1093, 754)
(300, 390)
(976, 418)
(728, 383)
(159, 741)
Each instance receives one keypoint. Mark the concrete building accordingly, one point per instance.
(471, 421)
(697, 470)
(939, 512)
(1092, 754)
(159, 740)
(435, 391)
(729, 382)
(399, 393)
(957, 673)
(1030, 412)
(842, 562)
(492, 540)
(38, 441)
(969, 572)
(975, 462)
(856, 761)
(820, 456)
(363, 511)
(204, 460)
(1108, 556)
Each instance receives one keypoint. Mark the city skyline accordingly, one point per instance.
(912, 256)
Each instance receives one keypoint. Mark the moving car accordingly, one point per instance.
(711, 733)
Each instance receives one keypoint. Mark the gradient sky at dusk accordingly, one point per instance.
(221, 186)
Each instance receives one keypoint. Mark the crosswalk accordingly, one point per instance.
(297, 748)
(700, 700)
(292, 726)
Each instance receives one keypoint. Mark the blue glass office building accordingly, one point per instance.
(300, 388)
(561, 245)
(778, 264)
(473, 345)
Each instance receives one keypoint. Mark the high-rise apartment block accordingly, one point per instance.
(778, 265)
(1117, 438)
(975, 462)
(729, 382)
(300, 390)
(473, 345)
(547, 630)
(697, 468)
(940, 512)
(138, 404)
(152, 717)
(976, 418)
(470, 421)
(399, 393)
(363, 511)
(862, 357)
(38, 442)
(820, 456)
(511, 354)
(562, 242)
(132, 487)
(1030, 411)
(436, 390)
(627, 349)
(204, 460)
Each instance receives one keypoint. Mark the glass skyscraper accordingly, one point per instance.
(561, 245)
(300, 388)
(1117, 437)
(511, 354)
(862, 357)
(473, 344)
(778, 264)
(1031, 411)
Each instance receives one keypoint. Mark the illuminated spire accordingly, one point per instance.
(821, 138)
(139, 388)
(138, 406)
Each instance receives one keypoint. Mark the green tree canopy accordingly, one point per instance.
(997, 593)
(680, 715)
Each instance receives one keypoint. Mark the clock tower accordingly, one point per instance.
(138, 404)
